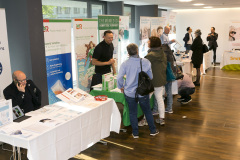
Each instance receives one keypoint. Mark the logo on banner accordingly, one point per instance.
(1, 68)
(78, 26)
(45, 29)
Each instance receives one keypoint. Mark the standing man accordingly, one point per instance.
(166, 44)
(164, 37)
(103, 58)
(212, 38)
(23, 93)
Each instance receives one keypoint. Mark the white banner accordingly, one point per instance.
(85, 39)
(57, 36)
(123, 39)
(149, 26)
(234, 35)
(5, 67)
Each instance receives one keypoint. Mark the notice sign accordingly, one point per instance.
(5, 68)
(57, 35)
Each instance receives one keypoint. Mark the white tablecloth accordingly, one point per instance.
(230, 58)
(67, 139)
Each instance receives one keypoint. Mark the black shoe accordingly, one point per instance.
(180, 99)
(186, 101)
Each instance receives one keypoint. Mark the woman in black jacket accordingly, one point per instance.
(188, 39)
(197, 56)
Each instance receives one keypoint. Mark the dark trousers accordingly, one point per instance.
(214, 54)
(186, 92)
(96, 79)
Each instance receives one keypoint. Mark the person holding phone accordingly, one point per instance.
(24, 93)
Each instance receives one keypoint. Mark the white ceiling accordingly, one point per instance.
(175, 4)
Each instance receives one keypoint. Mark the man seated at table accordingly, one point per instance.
(185, 88)
(23, 92)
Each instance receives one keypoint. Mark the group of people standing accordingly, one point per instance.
(196, 45)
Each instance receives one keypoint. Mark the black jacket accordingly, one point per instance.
(19, 99)
(212, 40)
(197, 48)
(186, 39)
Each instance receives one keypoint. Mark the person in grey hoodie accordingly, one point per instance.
(158, 61)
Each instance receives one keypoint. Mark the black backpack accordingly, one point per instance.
(145, 85)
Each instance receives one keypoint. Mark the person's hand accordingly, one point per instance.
(111, 61)
(122, 90)
(21, 87)
(173, 40)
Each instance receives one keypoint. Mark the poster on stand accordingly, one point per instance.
(85, 40)
(145, 33)
(108, 22)
(5, 67)
(123, 39)
(57, 36)
(6, 112)
(234, 36)
(149, 26)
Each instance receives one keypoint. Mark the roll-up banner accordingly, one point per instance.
(234, 36)
(5, 67)
(57, 36)
(149, 26)
(123, 39)
(85, 39)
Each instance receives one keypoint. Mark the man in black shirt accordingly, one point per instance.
(212, 43)
(103, 58)
(23, 93)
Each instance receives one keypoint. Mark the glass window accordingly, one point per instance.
(63, 9)
(128, 12)
(97, 9)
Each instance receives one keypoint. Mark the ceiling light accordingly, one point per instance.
(184, 0)
(208, 7)
(198, 4)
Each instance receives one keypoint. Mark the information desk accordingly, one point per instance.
(119, 97)
(89, 122)
(230, 60)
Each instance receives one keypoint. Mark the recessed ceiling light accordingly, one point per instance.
(198, 4)
(184, 0)
(208, 7)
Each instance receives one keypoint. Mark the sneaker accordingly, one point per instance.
(186, 101)
(180, 99)
(160, 121)
(154, 113)
(154, 134)
(170, 111)
(135, 136)
(143, 122)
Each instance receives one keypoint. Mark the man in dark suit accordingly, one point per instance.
(23, 93)
(212, 43)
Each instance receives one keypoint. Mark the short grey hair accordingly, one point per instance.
(132, 49)
(198, 32)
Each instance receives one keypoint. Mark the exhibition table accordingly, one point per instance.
(187, 66)
(71, 129)
(230, 60)
(119, 97)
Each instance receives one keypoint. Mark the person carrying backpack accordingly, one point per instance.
(131, 68)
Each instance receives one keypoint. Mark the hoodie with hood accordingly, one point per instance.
(158, 61)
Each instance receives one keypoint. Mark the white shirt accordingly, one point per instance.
(190, 39)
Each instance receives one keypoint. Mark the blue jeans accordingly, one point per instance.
(168, 88)
(133, 109)
(188, 48)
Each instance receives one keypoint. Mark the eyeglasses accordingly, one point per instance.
(21, 81)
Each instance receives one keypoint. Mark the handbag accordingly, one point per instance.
(205, 48)
(170, 75)
(179, 74)
(145, 85)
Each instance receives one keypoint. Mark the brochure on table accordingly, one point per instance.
(73, 95)
(6, 113)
